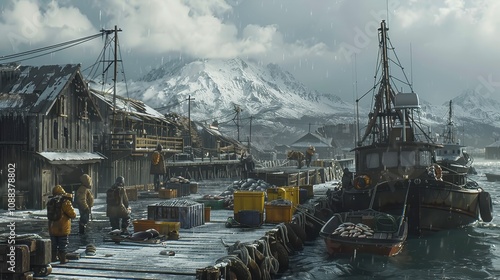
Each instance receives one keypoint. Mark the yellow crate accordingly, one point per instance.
(162, 227)
(247, 200)
(276, 193)
(167, 193)
(278, 213)
(292, 194)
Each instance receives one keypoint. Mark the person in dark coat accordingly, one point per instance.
(60, 229)
(84, 201)
(117, 206)
(157, 166)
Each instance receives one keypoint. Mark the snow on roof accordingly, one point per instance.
(66, 157)
(131, 106)
(33, 89)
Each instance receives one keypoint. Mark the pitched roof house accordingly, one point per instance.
(46, 120)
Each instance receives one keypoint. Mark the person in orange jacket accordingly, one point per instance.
(84, 201)
(59, 213)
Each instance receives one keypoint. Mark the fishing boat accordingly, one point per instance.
(492, 177)
(395, 155)
(453, 157)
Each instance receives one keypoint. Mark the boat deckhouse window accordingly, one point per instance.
(425, 158)
(390, 159)
(372, 160)
(408, 158)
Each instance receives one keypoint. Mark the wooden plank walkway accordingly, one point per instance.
(196, 248)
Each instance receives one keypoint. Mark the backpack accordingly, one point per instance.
(54, 208)
(155, 158)
(113, 197)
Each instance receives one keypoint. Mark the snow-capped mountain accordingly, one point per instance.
(278, 108)
(279, 105)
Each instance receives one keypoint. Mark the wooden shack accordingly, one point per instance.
(46, 121)
(324, 148)
(128, 135)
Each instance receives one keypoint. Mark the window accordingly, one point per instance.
(390, 159)
(408, 158)
(372, 160)
(61, 106)
(425, 158)
(82, 108)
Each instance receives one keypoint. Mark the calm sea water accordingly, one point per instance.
(469, 253)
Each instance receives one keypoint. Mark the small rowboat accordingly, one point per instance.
(365, 231)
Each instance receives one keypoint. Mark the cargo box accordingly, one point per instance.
(249, 218)
(247, 200)
(278, 213)
(162, 227)
(20, 258)
(213, 203)
(188, 213)
(131, 194)
(167, 193)
(276, 193)
(310, 190)
(182, 189)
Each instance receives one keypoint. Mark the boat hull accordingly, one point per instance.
(492, 177)
(432, 205)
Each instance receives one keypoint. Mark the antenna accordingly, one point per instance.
(411, 68)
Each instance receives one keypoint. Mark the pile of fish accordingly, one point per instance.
(247, 185)
(354, 230)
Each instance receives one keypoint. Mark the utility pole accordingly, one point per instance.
(250, 137)
(237, 109)
(189, 117)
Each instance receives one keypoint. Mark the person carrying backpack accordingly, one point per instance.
(157, 167)
(117, 206)
(59, 213)
(84, 201)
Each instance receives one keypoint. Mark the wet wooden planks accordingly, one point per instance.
(197, 248)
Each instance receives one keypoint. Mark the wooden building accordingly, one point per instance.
(215, 144)
(324, 148)
(128, 135)
(47, 117)
(492, 151)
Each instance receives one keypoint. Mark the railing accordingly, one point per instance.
(131, 142)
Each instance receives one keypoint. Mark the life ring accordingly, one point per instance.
(361, 182)
(485, 206)
(439, 172)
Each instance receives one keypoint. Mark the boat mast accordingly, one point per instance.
(383, 99)
(449, 135)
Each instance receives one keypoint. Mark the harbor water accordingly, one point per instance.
(469, 253)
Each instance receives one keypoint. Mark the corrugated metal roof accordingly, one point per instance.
(34, 89)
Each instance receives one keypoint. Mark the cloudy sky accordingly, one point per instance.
(447, 47)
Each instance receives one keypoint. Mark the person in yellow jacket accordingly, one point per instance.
(59, 213)
(84, 201)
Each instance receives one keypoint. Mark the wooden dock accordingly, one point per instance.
(196, 248)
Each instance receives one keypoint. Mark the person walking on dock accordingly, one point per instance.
(84, 201)
(60, 211)
(157, 166)
(117, 206)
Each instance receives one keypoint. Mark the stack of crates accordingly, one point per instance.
(249, 208)
(188, 213)
(132, 193)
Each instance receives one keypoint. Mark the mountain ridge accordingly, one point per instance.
(281, 107)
